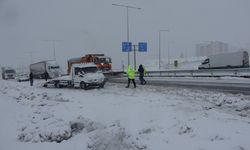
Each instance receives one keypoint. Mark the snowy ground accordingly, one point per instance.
(183, 64)
(116, 118)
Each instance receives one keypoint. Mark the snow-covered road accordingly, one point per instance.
(226, 84)
(112, 118)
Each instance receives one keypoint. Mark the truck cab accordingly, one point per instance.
(100, 60)
(205, 64)
(81, 76)
(87, 75)
(238, 59)
(8, 73)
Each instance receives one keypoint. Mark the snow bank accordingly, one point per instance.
(148, 117)
(113, 137)
(56, 130)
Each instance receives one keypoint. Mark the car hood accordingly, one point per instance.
(93, 76)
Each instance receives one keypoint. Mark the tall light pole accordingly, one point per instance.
(127, 8)
(168, 54)
(54, 46)
(160, 47)
(169, 42)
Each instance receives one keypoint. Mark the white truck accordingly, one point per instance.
(227, 60)
(8, 73)
(81, 76)
(50, 66)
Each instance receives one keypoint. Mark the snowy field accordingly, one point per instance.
(191, 63)
(117, 118)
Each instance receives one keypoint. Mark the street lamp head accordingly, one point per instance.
(163, 30)
(126, 6)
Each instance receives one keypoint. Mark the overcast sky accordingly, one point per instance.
(95, 26)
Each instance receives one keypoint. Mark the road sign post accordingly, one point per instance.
(142, 47)
(127, 47)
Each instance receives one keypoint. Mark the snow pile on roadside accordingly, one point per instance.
(100, 137)
(113, 137)
(239, 103)
(56, 130)
(24, 94)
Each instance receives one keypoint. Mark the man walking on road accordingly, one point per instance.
(142, 72)
(131, 76)
(46, 75)
(31, 79)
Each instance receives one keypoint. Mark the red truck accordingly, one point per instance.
(102, 62)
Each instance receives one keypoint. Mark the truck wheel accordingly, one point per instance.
(45, 85)
(83, 86)
(102, 85)
(57, 85)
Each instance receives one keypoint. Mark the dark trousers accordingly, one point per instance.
(142, 80)
(133, 80)
(31, 82)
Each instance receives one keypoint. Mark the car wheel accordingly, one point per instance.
(83, 86)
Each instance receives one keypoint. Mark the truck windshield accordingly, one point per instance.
(90, 69)
(205, 61)
(79, 70)
(10, 71)
(104, 60)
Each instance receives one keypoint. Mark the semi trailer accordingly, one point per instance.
(227, 60)
(8, 73)
(40, 68)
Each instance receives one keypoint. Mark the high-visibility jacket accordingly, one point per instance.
(131, 73)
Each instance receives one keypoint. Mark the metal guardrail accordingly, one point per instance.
(236, 72)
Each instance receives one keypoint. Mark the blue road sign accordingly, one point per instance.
(126, 46)
(142, 47)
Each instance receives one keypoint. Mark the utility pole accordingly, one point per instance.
(127, 8)
(168, 53)
(134, 49)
